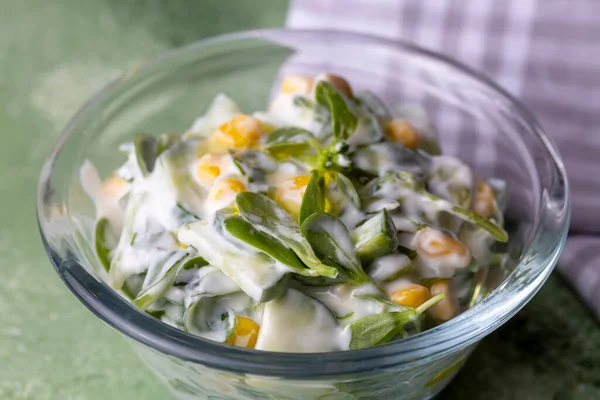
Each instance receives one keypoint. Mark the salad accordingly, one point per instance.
(329, 222)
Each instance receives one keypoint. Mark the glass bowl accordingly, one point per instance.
(476, 120)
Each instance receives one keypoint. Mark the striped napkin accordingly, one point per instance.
(545, 52)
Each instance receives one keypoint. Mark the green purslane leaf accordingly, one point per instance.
(402, 184)
(429, 303)
(469, 216)
(466, 215)
(146, 152)
(206, 318)
(194, 262)
(342, 119)
(253, 164)
(348, 189)
(160, 277)
(255, 273)
(376, 237)
(269, 217)
(165, 141)
(173, 174)
(381, 328)
(293, 142)
(373, 103)
(387, 191)
(184, 215)
(289, 136)
(323, 280)
(341, 194)
(133, 285)
(451, 180)
(118, 273)
(101, 242)
(313, 200)
(208, 282)
(374, 329)
(372, 122)
(410, 253)
(330, 237)
(349, 315)
(299, 151)
(380, 158)
(242, 230)
(303, 102)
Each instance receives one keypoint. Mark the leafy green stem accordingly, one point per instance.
(429, 303)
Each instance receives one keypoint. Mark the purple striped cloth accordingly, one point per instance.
(545, 52)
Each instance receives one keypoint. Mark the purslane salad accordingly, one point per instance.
(329, 222)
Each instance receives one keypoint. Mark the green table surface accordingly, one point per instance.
(53, 56)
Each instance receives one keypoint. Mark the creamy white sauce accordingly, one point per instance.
(221, 110)
(361, 135)
(346, 302)
(403, 223)
(107, 199)
(285, 111)
(479, 242)
(400, 283)
(451, 179)
(172, 209)
(351, 216)
(296, 323)
(215, 318)
(172, 172)
(389, 266)
(254, 272)
(208, 281)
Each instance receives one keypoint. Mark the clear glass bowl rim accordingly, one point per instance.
(466, 329)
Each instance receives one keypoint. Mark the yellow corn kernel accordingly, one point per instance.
(400, 131)
(446, 308)
(337, 81)
(483, 203)
(300, 182)
(240, 132)
(433, 243)
(225, 188)
(290, 192)
(208, 172)
(113, 187)
(412, 296)
(208, 169)
(296, 84)
(245, 333)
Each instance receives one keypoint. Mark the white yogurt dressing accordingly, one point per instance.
(389, 266)
(254, 272)
(284, 110)
(399, 284)
(107, 197)
(171, 212)
(451, 179)
(347, 303)
(221, 110)
(296, 323)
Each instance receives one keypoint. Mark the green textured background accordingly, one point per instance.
(53, 56)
